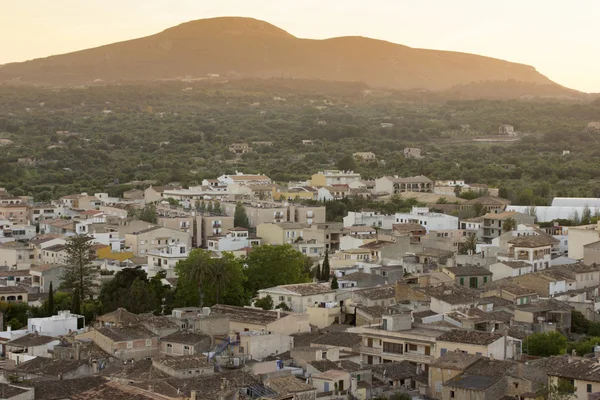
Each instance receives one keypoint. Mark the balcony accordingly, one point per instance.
(417, 357)
(375, 351)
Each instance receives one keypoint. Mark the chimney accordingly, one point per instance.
(278, 313)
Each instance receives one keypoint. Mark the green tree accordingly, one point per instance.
(334, 283)
(209, 207)
(50, 304)
(509, 224)
(325, 269)
(546, 344)
(217, 208)
(226, 281)
(283, 306)
(148, 214)
(469, 246)
(346, 163)
(585, 346)
(586, 216)
(266, 303)
(579, 323)
(269, 266)
(129, 289)
(195, 270)
(79, 273)
(240, 219)
(479, 209)
(76, 302)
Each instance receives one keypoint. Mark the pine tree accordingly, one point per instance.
(325, 271)
(202, 205)
(334, 283)
(217, 208)
(209, 207)
(240, 219)
(79, 273)
(318, 272)
(50, 304)
(76, 304)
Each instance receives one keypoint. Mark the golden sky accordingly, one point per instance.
(559, 38)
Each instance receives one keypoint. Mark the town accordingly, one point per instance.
(335, 287)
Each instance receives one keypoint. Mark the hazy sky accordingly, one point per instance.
(560, 38)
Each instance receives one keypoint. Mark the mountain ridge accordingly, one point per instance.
(236, 47)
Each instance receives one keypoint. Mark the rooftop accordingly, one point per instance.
(472, 382)
(185, 362)
(126, 333)
(378, 292)
(63, 389)
(515, 264)
(185, 337)
(469, 337)
(340, 339)
(456, 360)
(120, 317)
(307, 289)
(331, 375)
(10, 391)
(48, 366)
(431, 252)
(533, 241)
(256, 316)
(287, 385)
(396, 370)
(452, 293)
(30, 340)
(469, 270)
(323, 365)
(116, 391)
(570, 367)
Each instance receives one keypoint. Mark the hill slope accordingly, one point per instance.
(243, 47)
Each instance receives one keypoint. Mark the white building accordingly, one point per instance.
(369, 218)
(299, 297)
(334, 177)
(235, 239)
(244, 179)
(48, 211)
(430, 220)
(534, 249)
(166, 259)
(57, 325)
(507, 269)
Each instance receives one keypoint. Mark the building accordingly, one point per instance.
(493, 345)
(245, 319)
(185, 367)
(382, 296)
(16, 213)
(368, 218)
(430, 220)
(240, 178)
(328, 234)
(397, 185)
(310, 248)
(469, 275)
(240, 148)
(166, 258)
(506, 269)
(154, 194)
(62, 324)
(334, 177)
(211, 225)
(298, 297)
(412, 152)
(489, 204)
(31, 344)
(154, 238)
(280, 233)
(45, 211)
(533, 249)
(492, 226)
(579, 237)
(127, 342)
(365, 156)
(14, 294)
(269, 212)
(235, 239)
(446, 367)
(185, 343)
(506, 130)
(258, 345)
(580, 373)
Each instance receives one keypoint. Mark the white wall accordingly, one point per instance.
(57, 325)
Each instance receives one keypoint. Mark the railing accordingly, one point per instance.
(417, 357)
(370, 350)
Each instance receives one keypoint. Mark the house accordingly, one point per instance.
(294, 193)
(397, 185)
(449, 297)
(240, 178)
(45, 211)
(471, 225)
(245, 319)
(536, 250)
(488, 344)
(290, 387)
(269, 212)
(544, 316)
(62, 324)
(16, 213)
(430, 220)
(32, 344)
(580, 373)
(506, 269)
(489, 204)
(14, 294)
(511, 290)
(56, 254)
(280, 233)
(184, 343)
(413, 230)
(298, 297)
(166, 258)
(506, 130)
(51, 369)
(446, 367)
(324, 314)
(310, 248)
(368, 218)
(154, 238)
(365, 156)
(186, 366)
(469, 275)
(492, 226)
(375, 296)
(433, 256)
(240, 148)
(16, 254)
(412, 152)
(334, 382)
(333, 177)
(235, 239)
(126, 342)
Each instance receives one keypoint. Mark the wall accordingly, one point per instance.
(180, 349)
(437, 376)
(579, 237)
(187, 373)
(323, 317)
(496, 349)
(259, 346)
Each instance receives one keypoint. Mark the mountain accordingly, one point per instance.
(249, 48)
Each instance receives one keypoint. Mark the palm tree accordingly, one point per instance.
(469, 246)
(219, 276)
(509, 224)
(199, 273)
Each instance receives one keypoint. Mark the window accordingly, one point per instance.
(289, 298)
(395, 348)
(130, 345)
(478, 353)
(358, 377)
(485, 279)
(462, 281)
(148, 342)
(589, 388)
(516, 385)
(281, 298)
(452, 394)
(443, 351)
(438, 387)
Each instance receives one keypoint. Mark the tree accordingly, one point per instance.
(334, 283)
(586, 216)
(195, 270)
(579, 323)
(325, 269)
(546, 344)
(209, 207)
(268, 266)
(240, 219)
(118, 292)
(479, 209)
(283, 306)
(266, 303)
(584, 347)
(79, 273)
(76, 304)
(575, 218)
(217, 208)
(509, 224)
(346, 163)
(50, 304)
(148, 214)
(469, 246)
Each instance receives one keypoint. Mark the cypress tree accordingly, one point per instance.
(325, 272)
(50, 309)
